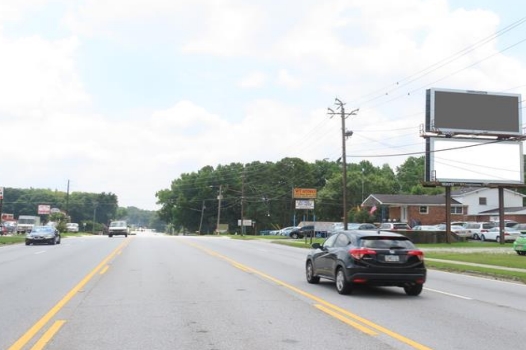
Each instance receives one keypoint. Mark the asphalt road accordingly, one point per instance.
(158, 292)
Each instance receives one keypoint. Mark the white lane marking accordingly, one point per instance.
(40, 252)
(449, 294)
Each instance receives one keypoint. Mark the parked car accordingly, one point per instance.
(72, 227)
(394, 226)
(3, 229)
(10, 226)
(376, 258)
(493, 234)
(519, 245)
(301, 232)
(43, 234)
(478, 228)
(364, 226)
(286, 230)
(519, 227)
(424, 228)
(460, 231)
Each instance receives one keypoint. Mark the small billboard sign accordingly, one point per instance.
(307, 204)
(304, 193)
(44, 209)
(246, 222)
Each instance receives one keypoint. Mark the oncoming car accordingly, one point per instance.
(43, 234)
(378, 258)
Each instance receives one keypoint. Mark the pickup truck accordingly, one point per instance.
(118, 228)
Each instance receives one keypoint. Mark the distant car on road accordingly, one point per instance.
(72, 227)
(369, 257)
(117, 228)
(43, 235)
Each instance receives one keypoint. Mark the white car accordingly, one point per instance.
(493, 234)
(478, 228)
(460, 231)
(72, 227)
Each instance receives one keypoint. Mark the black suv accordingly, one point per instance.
(367, 257)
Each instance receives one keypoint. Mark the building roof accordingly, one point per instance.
(510, 210)
(462, 191)
(407, 199)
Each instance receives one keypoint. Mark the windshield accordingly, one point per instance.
(117, 224)
(42, 229)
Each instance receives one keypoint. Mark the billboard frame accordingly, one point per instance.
(433, 149)
(509, 126)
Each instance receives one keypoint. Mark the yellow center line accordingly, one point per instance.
(24, 339)
(42, 342)
(323, 302)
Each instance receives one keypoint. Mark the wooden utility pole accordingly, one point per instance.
(345, 134)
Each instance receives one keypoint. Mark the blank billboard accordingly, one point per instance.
(474, 161)
(473, 112)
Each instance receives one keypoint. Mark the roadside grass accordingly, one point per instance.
(506, 258)
(515, 276)
(5, 240)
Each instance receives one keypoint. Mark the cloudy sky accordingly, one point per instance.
(123, 96)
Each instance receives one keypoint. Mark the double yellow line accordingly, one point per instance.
(37, 327)
(353, 320)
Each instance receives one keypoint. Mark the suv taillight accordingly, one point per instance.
(418, 253)
(359, 253)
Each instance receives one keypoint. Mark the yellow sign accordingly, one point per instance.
(304, 193)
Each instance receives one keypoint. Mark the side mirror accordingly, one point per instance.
(316, 245)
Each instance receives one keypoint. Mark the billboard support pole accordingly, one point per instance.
(448, 214)
(501, 215)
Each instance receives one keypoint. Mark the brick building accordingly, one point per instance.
(467, 204)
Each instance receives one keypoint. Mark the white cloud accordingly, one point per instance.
(253, 80)
(285, 78)
(282, 63)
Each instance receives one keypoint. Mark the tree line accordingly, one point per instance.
(263, 191)
(91, 210)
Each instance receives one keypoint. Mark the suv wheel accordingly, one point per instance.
(476, 236)
(294, 235)
(413, 289)
(342, 285)
(309, 270)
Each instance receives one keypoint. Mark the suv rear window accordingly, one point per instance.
(386, 243)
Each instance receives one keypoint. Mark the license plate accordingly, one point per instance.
(392, 258)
